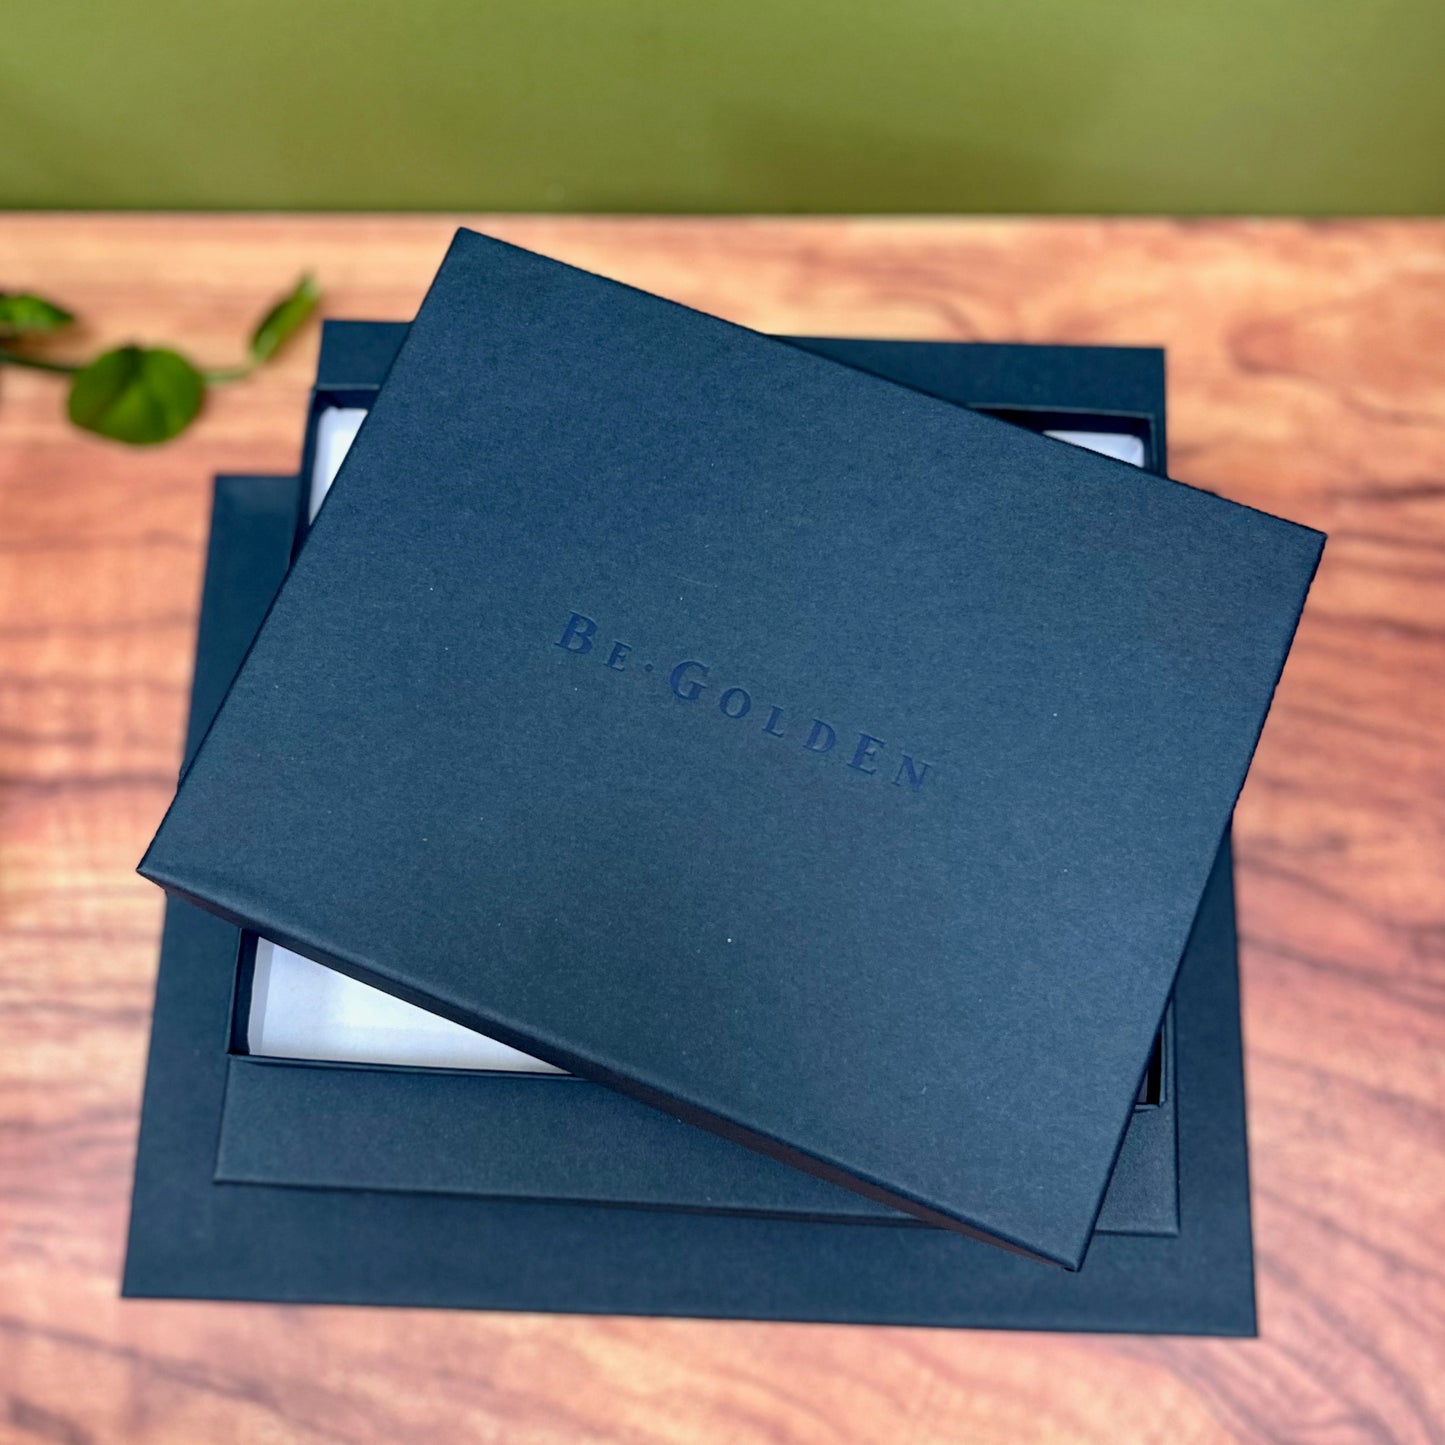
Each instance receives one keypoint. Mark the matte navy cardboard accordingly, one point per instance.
(558, 1137)
(190, 1237)
(652, 693)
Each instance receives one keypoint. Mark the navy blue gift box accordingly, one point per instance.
(285, 1180)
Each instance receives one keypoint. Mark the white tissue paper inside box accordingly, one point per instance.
(1119, 445)
(303, 1010)
(336, 429)
(300, 1010)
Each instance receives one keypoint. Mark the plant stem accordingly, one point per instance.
(69, 368)
(228, 373)
(34, 363)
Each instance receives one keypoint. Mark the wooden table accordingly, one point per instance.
(1307, 376)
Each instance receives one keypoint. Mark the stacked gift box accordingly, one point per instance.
(701, 823)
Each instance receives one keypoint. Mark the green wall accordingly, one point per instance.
(1315, 106)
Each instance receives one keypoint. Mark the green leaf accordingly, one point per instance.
(25, 315)
(284, 319)
(137, 395)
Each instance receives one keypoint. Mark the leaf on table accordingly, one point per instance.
(137, 395)
(284, 319)
(22, 314)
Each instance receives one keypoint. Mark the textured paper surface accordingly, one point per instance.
(304, 1010)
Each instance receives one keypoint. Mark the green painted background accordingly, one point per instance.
(1315, 106)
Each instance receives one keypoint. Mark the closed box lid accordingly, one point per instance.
(828, 765)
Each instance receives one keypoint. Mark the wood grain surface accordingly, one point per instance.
(1307, 376)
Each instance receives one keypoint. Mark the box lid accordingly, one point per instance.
(823, 763)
